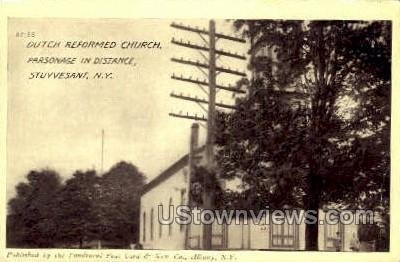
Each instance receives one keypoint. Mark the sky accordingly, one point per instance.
(57, 124)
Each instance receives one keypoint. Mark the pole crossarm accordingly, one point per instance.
(200, 100)
(199, 64)
(189, 28)
(205, 48)
(205, 32)
(204, 83)
(230, 71)
(189, 62)
(228, 37)
(187, 116)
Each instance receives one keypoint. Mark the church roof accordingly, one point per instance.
(175, 167)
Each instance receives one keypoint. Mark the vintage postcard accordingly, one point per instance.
(156, 137)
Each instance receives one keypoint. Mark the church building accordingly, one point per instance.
(171, 188)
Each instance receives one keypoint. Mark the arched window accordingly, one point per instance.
(160, 224)
(144, 226)
(170, 225)
(152, 224)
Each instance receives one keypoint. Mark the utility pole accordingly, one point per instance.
(213, 71)
(209, 195)
(211, 100)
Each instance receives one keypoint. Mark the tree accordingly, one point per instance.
(119, 203)
(292, 140)
(46, 213)
(31, 217)
(78, 215)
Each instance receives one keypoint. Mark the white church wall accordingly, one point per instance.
(237, 236)
(174, 188)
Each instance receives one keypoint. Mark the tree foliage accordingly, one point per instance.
(78, 215)
(31, 220)
(119, 203)
(87, 207)
(314, 127)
